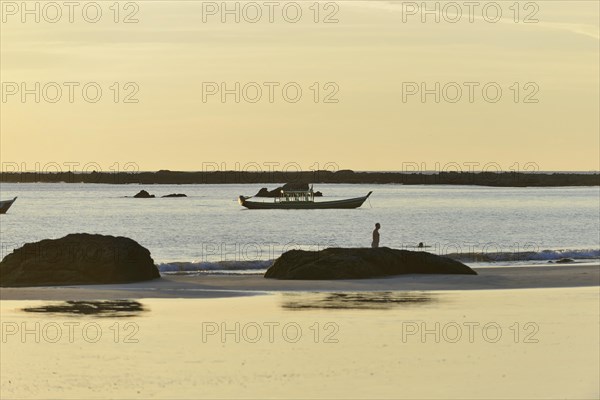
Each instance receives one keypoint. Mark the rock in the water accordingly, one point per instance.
(144, 195)
(355, 263)
(565, 261)
(78, 259)
(175, 195)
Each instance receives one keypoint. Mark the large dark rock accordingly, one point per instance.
(78, 259)
(355, 263)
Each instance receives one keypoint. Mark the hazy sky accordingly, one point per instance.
(374, 61)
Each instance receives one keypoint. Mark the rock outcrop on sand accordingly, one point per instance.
(264, 192)
(356, 263)
(78, 259)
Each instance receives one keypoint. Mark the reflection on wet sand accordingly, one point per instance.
(108, 308)
(355, 300)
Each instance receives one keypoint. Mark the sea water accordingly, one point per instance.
(209, 231)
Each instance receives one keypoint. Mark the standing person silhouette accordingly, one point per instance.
(375, 243)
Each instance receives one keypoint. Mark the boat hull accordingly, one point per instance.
(304, 205)
(5, 205)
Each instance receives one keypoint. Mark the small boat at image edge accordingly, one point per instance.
(301, 200)
(5, 205)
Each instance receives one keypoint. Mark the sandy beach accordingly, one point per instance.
(474, 344)
(209, 286)
(509, 332)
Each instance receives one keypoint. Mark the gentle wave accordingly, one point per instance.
(215, 266)
(544, 255)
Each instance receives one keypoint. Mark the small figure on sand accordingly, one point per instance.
(421, 245)
(375, 243)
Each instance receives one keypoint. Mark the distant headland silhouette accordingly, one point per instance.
(500, 179)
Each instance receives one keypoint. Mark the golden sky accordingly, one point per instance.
(373, 55)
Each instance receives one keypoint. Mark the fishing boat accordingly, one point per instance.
(5, 205)
(304, 200)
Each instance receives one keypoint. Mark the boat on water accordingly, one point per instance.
(303, 200)
(5, 205)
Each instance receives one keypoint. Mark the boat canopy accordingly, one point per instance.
(296, 195)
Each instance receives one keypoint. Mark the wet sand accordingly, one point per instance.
(467, 344)
(219, 336)
(211, 286)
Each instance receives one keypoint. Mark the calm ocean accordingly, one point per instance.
(210, 231)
